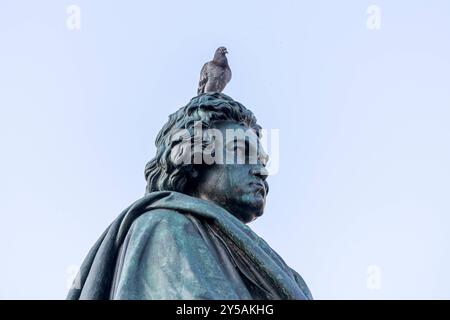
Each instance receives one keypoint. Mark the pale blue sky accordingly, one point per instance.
(363, 118)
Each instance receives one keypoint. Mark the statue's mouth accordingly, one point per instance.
(260, 188)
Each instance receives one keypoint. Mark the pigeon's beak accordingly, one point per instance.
(225, 52)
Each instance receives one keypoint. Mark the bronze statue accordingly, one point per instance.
(187, 237)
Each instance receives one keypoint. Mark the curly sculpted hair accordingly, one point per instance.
(162, 172)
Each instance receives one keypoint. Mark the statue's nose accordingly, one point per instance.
(259, 171)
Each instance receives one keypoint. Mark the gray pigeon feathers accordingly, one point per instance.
(215, 74)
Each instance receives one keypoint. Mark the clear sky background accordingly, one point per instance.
(360, 206)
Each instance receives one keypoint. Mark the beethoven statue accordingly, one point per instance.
(187, 237)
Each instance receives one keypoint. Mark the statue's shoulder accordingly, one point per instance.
(166, 219)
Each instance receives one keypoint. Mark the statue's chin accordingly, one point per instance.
(252, 211)
(246, 208)
(251, 217)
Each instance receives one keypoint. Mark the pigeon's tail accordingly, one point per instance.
(203, 79)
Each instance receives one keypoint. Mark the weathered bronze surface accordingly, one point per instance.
(187, 238)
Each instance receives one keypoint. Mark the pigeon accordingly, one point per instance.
(215, 74)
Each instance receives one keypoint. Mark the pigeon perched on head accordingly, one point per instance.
(215, 74)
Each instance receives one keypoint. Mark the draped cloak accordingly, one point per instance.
(168, 245)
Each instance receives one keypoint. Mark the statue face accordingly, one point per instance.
(239, 187)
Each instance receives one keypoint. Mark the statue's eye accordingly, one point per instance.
(246, 152)
(239, 150)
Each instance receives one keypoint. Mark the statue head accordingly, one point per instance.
(211, 149)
